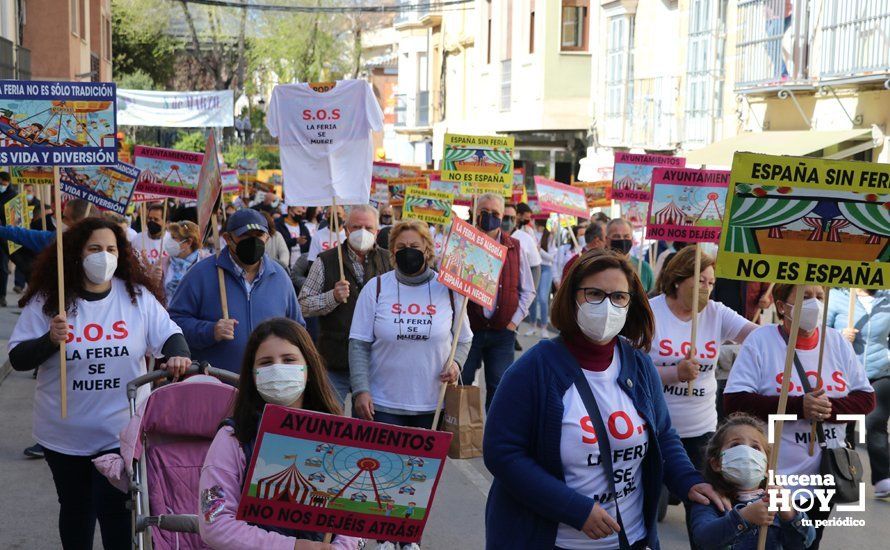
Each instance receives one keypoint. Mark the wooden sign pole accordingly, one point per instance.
(819, 385)
(60, 270)
(444, 385)
(783, 396)
(696, 275)
(143, 213)
(223, 299)
(336, 225)
(851, 309)
(43, 200)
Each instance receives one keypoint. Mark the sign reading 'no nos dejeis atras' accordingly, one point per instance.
(57, 123)
(807, 221)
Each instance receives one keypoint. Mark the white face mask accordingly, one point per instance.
(601, 322)
(172, 248)
(281, 384)
(810, 314)
(743, 466)
(362, 240)
(99, 267)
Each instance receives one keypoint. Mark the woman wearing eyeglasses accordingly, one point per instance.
(554, 486)
(693, 414)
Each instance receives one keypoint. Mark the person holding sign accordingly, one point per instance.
(36, 239)
(256, 289)
(324, 238)
(331, 292)
(401, 335)
(113, 319)
(282, 367)
(869, 332)
(494, 330)
(693, 416)
(755, 383)
(148, 246)
(554, 462)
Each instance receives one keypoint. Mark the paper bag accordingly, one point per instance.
(463, 418)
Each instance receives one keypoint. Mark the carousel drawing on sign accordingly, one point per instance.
(342, 478)
(768, 219)
(56, 123)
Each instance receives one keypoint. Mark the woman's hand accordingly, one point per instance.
(785, 515)
(301, 544)
(849, 334)
(599, 524)
(364, 406)
(58, 329)
(703, 493)
(764, 302)
(450, 374)
(688, 369)
(757, 513)
(176, 366)
(816, 405)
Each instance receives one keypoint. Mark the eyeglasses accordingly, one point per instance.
(593, 295)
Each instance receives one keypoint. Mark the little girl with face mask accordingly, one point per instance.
(736, 467)
(281, 366)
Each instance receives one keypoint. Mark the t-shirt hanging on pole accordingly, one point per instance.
(325, 141)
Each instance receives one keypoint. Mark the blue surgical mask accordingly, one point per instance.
(489, 222)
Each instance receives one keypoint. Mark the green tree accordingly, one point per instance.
(300, 47)
(191, 141)
(140, 43)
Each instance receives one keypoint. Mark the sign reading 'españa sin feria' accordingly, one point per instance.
(807, 221)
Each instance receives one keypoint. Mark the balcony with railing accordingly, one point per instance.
(772, 43)
(422, 109)
(417, 16)
(401, 110)
(506, 85)
(854, 40)
(7, 59)
(654, 116)
(23, 63)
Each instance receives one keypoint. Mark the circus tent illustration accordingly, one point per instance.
(626, 182)
(671, 215)
(287, 485)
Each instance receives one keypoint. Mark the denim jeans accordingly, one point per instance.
(876, 431)
(541, 305)
(85, 496)
(695, 447)
(494, 348)
(341, 385)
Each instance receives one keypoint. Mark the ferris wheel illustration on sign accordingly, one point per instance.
(366, 473)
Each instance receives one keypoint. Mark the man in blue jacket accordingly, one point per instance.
(257, 289)
(35, 239)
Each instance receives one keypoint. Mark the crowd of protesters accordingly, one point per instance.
(354, 320)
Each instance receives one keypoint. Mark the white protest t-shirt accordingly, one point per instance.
(324, 239)
(759, 369)
(106, 349)
(294, 232)
(529, 246)
(150, 250)
(410, 331)
(695, 415)
(580, 454)
(325, 141)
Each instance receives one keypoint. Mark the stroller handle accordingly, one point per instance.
(196, 368)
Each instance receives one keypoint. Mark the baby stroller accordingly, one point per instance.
(162, 452)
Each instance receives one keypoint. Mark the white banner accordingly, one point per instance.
(175, 109)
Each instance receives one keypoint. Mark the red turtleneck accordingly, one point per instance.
(590, 356)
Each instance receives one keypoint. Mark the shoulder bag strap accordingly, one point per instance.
(602, 437)
(805, 383)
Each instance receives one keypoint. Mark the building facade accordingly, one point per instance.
(68, 39)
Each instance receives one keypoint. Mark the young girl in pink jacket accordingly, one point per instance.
(281, 366)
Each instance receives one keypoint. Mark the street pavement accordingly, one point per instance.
(28, 499)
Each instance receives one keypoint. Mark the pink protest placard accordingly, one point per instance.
(167, 172)
(230, 181)
(632, 176)
(560, 198)
(471, 264)
(687, 205)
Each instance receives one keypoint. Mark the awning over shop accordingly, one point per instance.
(795, 143)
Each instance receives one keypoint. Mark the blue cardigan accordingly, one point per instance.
(871, 344)
(714, 530)
(529, 497)
(196, 307)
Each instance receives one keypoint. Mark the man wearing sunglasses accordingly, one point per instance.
(494, 330)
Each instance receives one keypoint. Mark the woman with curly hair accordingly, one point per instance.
(113, 318)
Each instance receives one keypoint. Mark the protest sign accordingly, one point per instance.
(560, 198)
(230, 181)
(398, 186)
(31, 175)
(687, 205)
(382, 171)
(57, 123)
(17, 215)
(632, 176)
(806, 221)
(472, 263)
(634, 213)
(482, 164)
(518, 192)
(203, 109)
(450, 187)
(597, 193)
(333, 474)
(247, 169)
(427, 206)
(209, 185)
(167, 172)
(106, 187)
